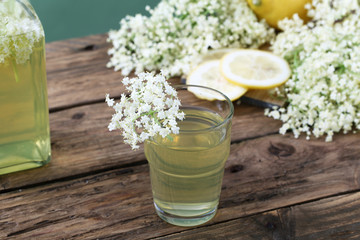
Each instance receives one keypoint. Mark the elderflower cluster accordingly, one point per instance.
(19, 31)
(151, 108)
(324, 90)
(178, 31)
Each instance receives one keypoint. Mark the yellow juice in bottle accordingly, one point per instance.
(24, 117)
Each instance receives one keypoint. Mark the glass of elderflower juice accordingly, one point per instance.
(186, 169)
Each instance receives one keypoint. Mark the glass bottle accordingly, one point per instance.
(24, 112)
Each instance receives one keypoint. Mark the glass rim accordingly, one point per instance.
(226, 99)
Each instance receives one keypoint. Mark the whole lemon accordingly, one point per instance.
(274, 10)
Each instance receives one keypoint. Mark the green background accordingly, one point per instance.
(64, 19)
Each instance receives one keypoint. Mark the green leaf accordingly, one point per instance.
(15, 70)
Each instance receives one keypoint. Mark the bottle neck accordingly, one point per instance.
(20, 29)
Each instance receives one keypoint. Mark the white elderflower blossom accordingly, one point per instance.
(178, 31)
(151, 108)
(18, 34)
(324, 90)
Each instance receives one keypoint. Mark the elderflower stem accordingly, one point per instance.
(158, 122)
(15, 70)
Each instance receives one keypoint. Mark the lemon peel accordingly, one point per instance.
(254, 69)
(275, 10)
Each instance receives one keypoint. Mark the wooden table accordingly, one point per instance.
(96, 187)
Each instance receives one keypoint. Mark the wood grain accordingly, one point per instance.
(82, 144)
(331, 218)
(274, 186)
(73, 45)
(76, 65)
(261, 175)
(77, 72)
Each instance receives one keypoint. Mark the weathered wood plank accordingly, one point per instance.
(293, 170)
(73, 45)
(91, 206)
(95, 179)
(262, 174)
(77, 72)
(265, 226)
(81, 143)
(330, 218)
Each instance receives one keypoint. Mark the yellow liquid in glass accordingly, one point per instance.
(186, 172)
(24, 116)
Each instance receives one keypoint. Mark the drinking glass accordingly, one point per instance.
(186, 169)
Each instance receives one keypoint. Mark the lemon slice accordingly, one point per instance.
(254, 69)
(208, 74)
